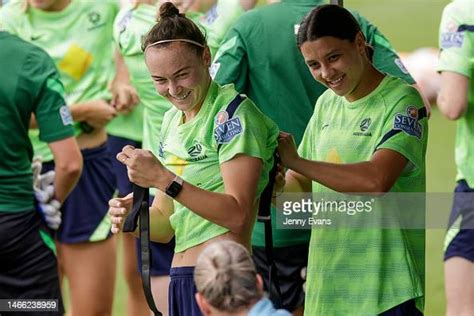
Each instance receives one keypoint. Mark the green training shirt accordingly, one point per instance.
(260, 56)
(190, 151)
(79, 39)
(31, 85)
(367, 271)
(457, 55)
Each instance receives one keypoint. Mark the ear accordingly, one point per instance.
(259, 283)
(203, 304)
(360, 42)
(207, 56)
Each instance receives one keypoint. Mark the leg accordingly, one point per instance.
(159, 287)
(90, 269)
(459, 284)
(136, 302)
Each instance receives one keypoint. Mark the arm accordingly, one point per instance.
(68, 166)
(452, 98)
(377, 175)
(124, 95)
(240, 174)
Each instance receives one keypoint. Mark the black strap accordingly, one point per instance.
(141, 209)
(264, 216)
(422, 113)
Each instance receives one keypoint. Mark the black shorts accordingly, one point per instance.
(289, 261)
(459, 240)
(28, 266)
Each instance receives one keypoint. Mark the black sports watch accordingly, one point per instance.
(173, 189)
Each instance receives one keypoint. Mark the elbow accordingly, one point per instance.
(240, 223)
(378, 187)
(452, 110)
(71, 169)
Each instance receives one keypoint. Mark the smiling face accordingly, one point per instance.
(337, 64)
(180, 75)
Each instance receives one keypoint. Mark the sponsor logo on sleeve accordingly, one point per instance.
(226, 129)
(214, 69)
(400, 65)
(65, 114)
(408, 123)
(452, 36)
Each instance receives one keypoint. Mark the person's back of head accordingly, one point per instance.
(226, 279)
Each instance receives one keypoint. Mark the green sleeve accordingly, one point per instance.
(231, 63)
(247, 132)
(385, 58)
(51, 112)
(404, 130)
(456, 45)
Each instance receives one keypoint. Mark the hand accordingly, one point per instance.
(118, 211)
(124, 98)
(99, 113)
(144, 169)
(46, 204)
(279, 180)
(287, 149)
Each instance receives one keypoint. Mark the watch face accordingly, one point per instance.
(173, 189)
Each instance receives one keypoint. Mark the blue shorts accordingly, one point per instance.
(28, 265)
(161, 255)
(115, 145)
(459, 241)
(407, 308)
(84, 212)
(181, 300)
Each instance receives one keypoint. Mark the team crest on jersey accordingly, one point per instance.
(95, 20)
(65, 114)
(452, 36)
(196, 152)
(364, 126)
(226, 131)
(409, 123)
(222, 117)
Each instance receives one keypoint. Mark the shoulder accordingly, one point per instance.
(460, 10)
(12, 13)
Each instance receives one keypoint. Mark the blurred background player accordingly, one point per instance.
(260, 56)
(456, 102)
(28, 268)
(77, 34)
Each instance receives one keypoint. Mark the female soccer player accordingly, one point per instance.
(215, 153)
(228, 284)
(368, 134)
(78, 36)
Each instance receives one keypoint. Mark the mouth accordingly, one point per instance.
(335, 83)
(181, 98)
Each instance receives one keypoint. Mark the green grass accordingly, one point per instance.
(408, 24)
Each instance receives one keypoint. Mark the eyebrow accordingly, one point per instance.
(174, 74)
(334, 51)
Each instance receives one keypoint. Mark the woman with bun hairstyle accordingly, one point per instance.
(215, 152)
(368, 134)
(228, 284)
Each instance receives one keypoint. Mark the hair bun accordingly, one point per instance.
(168, 10)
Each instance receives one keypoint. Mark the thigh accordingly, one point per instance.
(459, 284)
(90, 269)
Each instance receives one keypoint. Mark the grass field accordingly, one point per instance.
(408, 24)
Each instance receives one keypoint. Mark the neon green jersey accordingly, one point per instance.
(79, 39)
(385, 267)
(457, 55)
(31, 85)
(190, 151)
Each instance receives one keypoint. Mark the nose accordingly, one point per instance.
(174, 89)
(327, 72)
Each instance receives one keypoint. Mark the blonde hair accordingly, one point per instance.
(226, 277)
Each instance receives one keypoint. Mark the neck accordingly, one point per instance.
(370, 80)
(58, 6)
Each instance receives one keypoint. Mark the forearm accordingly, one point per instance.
(66, 178)
(80, 112)
(359, 177)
